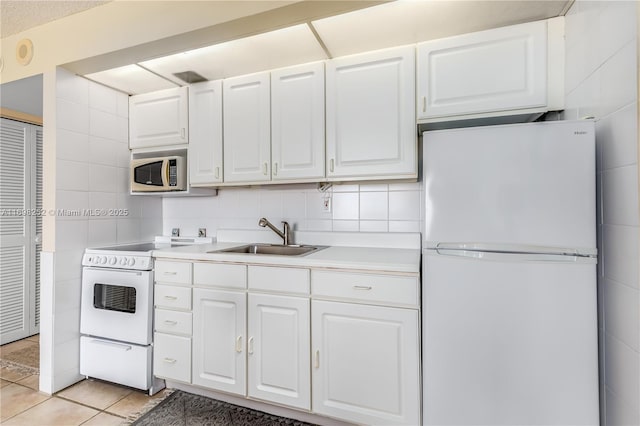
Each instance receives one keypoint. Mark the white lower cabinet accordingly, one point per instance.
(278, 349)
(172, 357)
(365, 363)
(219, 324)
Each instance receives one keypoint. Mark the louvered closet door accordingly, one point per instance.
(17, 230)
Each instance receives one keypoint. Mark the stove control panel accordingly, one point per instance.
(140, 263)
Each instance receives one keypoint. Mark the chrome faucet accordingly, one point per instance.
(284, 235)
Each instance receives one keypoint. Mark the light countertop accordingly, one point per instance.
(392, 260)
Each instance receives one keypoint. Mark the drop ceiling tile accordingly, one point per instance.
(284, 47)
(404, 22)
(131, 79)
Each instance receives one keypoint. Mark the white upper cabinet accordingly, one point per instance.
(247, 128)
(297, 122)
(205, 132)
(159, 118)
(371, 126)
(511, 69)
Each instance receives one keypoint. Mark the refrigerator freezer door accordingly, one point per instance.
(508, 343)
(517, 184)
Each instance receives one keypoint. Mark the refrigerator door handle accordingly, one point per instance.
(514, 257)
(517, 248)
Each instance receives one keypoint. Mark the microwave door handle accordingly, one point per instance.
(165, 173)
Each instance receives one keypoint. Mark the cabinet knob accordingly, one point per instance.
(362, 287)
(170, 360)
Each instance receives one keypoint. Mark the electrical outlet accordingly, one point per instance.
(326, 204)
(202, 232)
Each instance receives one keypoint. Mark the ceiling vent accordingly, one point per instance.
(189, 77)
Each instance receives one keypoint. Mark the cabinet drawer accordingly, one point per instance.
(366, 287)
(173, 272)
(289, 280)
(173, 322)
(167, 296)
(220, 275)
(172, 357)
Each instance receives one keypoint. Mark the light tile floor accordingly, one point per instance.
(89, 402)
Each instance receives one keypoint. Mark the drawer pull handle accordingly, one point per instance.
(362, 287)
(275, 169)
(169, 322)
(170, 360)
(170, 273)
(424, 104)
(113, 345)
(239, 344)
(171, 297)
(317, 359)
(250, 349)
(217, 172)
(331, 167)
(265, 169)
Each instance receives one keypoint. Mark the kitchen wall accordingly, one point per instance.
(23, 95)
(602, 81)
(393, 207)
(87, 156)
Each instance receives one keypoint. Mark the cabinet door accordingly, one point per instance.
(278, 349)
(172, 357)
(494, 70)
(297, 122)
(247, 128)
(205, 132)
(159, 118)
(366, 363)
(371, 126)
(219, 324)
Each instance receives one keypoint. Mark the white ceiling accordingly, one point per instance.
(20, 15)
(392, 24)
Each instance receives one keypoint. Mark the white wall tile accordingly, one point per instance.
(72, 116)
(622, 313)
(102, 203)
(405, 186)
(68, 292)
(621, 254)
(404, 205)
(248, 205)
(374, 206)
(317, 225)
(71, 235)
(404, 226)
(294, 205)
(345, 206)
(315, 202)
(103, 178)
(66, 325)
(72, 175)
(102, 232)
(76, 201)
(374, 187)
(620, 196)
(345, 187)
(106, 151)
(122, 183)
(71, 87)
(622, 371)
(346, 226)
(270, 203)
(103, 125)
(68, 264)
(128, 230)
(618, 24)
(618, 136)
(374, 226)
(72, 146)
(619, 80)
(122, 130)
(103, 98)
(122, 105)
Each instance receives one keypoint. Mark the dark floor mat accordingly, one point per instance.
(185, 409)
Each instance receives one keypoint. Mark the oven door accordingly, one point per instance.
(117, 304)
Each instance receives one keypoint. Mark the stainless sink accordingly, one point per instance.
(271, 249)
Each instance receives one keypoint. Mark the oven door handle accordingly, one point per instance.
(116, 271)
(112, 344)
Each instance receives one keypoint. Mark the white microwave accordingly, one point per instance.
(159, 174)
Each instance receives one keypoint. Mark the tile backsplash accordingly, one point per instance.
(392, 207)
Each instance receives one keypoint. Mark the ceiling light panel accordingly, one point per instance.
(131, 79)
(275, 49)
(411, 21)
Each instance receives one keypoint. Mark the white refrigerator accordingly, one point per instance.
(509, 299)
